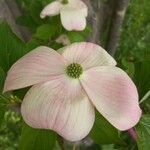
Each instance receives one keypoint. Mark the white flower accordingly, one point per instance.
(73, 14)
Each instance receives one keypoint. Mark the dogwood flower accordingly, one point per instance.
(73, 14)
(63, 39)
(67, 87)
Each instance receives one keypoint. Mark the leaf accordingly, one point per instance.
(11, 47)
(141, 78)
(45, 31)
(3, 107)
(78, 36)
(26, 20)
(2, 78)
(2, 102)
(128, 66)
(46, 2)
(2, 112)
(143, 131)
(103, 132)
(36, 139)
(75, 37)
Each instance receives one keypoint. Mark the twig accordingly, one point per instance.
(61, 142)
(74, 147)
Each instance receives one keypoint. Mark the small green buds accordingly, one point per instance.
(74, 70)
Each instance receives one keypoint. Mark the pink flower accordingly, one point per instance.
(63, 39)
(69, 84)
(73, 14)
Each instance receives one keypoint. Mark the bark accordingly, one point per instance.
(105, 18)
(115, 26)
(94, 20)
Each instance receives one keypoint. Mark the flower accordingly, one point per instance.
(69, 85)
(63, 39)
(73, 14)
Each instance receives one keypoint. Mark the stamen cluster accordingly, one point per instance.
(74, 70)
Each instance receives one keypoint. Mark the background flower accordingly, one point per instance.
(73, 14)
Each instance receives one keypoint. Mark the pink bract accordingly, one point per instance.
(66, 105)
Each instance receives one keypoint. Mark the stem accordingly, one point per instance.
(61, 142)
(74, 147)
(146, 96)
(132, 133)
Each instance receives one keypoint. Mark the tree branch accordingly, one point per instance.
(116, 23)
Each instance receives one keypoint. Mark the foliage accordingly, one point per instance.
(99, 133)
(133, 55)
(10, 131)
(36, 139)
(143, 131)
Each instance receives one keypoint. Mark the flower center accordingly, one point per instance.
(74, 70)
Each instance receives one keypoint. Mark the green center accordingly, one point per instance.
(74, 70)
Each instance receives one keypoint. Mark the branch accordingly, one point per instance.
(94, 20)
(116, 23)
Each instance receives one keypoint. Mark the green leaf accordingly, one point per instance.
(32, 11)
(103, 132)
(143, 131)
(35, 10)
(11, 47)
(2, 78)
(128, 66)
(36, 139)
(45, 31)
(3, 107)
(78, 36)
(2, 112)
(46, 2)
(26, 20)
(75, 37)
(2, 101)
(142, 74)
